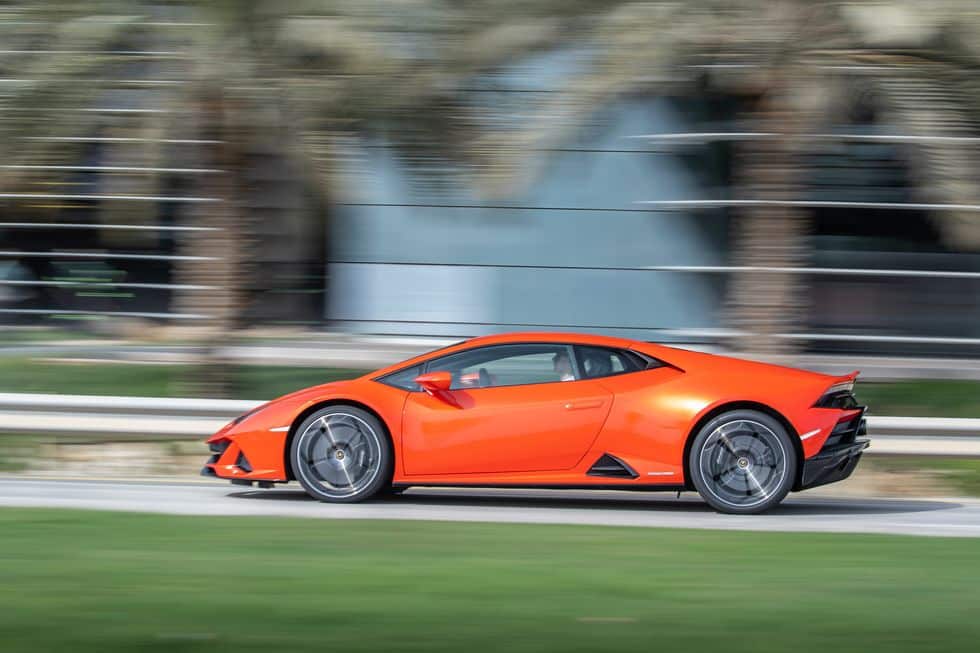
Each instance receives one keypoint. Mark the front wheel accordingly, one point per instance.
(341, 454)
(743, 462)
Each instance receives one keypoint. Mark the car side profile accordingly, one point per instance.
(556, 410)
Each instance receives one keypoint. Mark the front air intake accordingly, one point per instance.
(243, 464)
(611, 467)
(217, 448)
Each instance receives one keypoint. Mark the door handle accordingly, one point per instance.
(584, 403)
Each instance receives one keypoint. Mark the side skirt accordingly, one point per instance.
(632, 487)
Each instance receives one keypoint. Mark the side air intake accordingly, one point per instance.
(612, 467)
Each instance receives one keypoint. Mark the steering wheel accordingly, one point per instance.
(485, 381)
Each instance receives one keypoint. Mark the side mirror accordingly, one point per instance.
(434, 382)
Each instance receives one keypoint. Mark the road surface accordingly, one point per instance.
(931, 517)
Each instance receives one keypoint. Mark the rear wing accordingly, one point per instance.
(847, 379)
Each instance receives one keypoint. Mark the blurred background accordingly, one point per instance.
(224, 199)
(209, 203)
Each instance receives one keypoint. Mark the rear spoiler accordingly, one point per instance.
(850, 377)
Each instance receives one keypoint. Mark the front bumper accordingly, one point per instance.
(229, 462)
(218, 449)
(839, 456)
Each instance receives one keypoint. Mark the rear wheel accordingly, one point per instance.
(341, 454)
(743, 462)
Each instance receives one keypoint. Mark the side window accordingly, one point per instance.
(404, 379)
(503, 365)
(596, 362)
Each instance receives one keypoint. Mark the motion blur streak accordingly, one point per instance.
(403, 167)
(228, 201)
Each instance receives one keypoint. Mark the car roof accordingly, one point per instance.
(550, 336)
(515, 337)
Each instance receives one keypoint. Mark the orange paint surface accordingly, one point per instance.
(544, 433)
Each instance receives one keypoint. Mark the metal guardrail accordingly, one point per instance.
(119, 417)
(145, 405)
(168, 418)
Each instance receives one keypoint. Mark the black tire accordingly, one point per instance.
(342, 454)
(743, 462)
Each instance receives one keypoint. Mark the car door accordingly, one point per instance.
(507, 411)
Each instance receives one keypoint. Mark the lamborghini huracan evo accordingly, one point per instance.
(555, 410)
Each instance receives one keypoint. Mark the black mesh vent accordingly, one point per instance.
(611, 466)
(847, 431)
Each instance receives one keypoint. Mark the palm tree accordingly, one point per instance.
(263, 95)
(233, 94)
(792, 63)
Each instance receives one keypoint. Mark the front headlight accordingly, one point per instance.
(241, 418)
(244, 416)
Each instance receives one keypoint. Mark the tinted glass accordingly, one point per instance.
(404, 379)
(504, 365)
(596, 362)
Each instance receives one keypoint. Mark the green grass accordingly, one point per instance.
(27, 336)
(268, 381)
(930, 398)
(26, 375)
(137, 380)
(17, 451)
(89, 581)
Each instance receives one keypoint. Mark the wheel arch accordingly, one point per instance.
(312, 408)
(742, 405)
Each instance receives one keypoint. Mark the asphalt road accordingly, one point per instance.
(930, 517)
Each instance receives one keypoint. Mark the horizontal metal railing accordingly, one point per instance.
(114, 169)
(149, 315)
(721, 136)
(101, 403)
(106, 227)
(109, 284)
(97, 197)
(805, 270)
(805, 204)
(108, 255)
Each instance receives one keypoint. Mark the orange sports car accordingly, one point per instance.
(556, 410)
